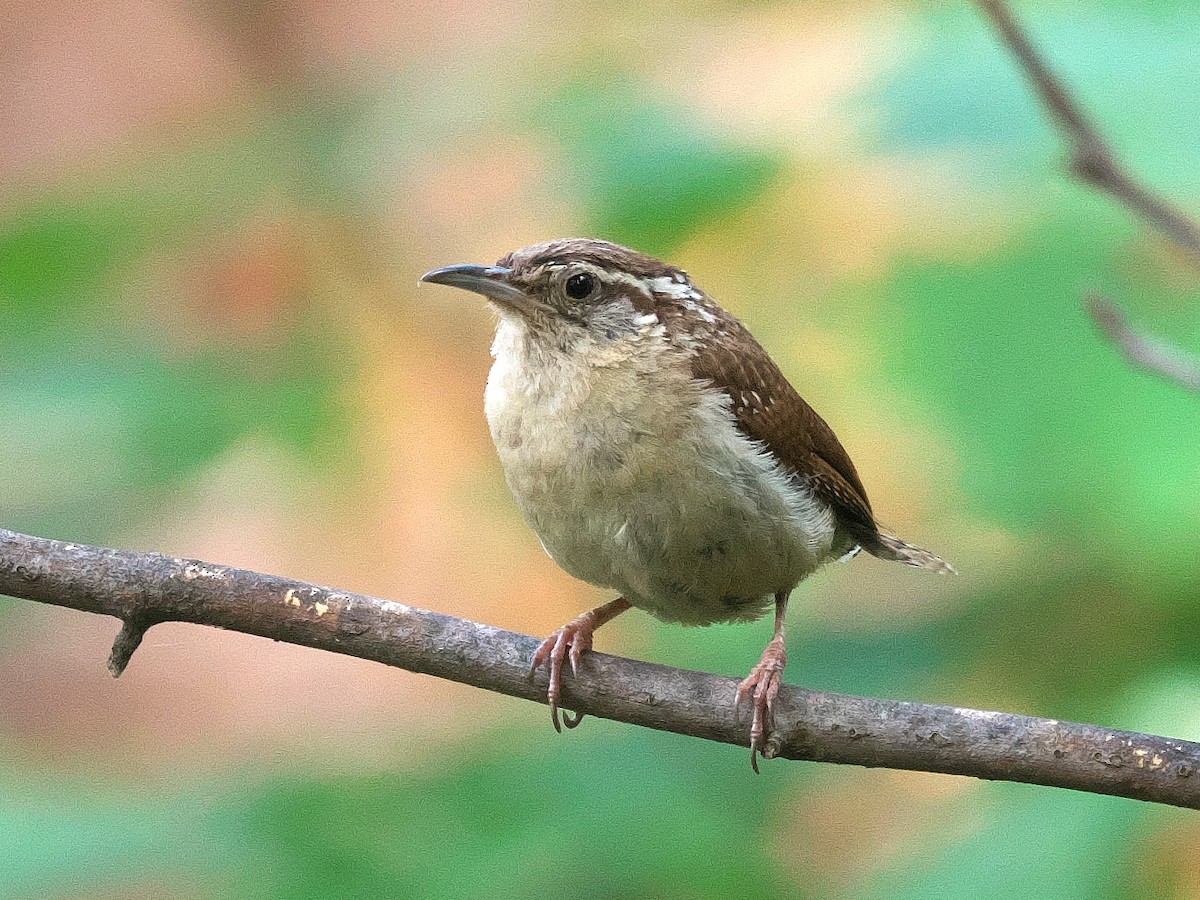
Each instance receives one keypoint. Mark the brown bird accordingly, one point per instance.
(658, 451)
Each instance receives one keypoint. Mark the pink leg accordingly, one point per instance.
(762, 685)
(577, 636)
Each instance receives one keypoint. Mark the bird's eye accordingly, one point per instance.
(580, 285)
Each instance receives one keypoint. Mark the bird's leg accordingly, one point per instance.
(575, 637)
(762, 685)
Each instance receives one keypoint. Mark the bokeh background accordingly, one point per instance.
(212, 343)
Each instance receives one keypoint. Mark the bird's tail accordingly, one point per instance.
(893, 548)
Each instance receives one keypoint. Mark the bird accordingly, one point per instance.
(659, 452)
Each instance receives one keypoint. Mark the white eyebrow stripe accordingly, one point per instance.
(618, 277)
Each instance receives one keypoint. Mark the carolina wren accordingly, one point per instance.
(657, 450)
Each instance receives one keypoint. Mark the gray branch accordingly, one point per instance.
(1145, 350)
(1094, 162)
(143, 589)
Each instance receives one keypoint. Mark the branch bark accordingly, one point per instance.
(143, 589)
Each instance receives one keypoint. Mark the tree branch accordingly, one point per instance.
(143, 589)
(1092, 159)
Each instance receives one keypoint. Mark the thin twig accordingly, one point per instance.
(1092, 159)
(1145, 350)
(809, 725)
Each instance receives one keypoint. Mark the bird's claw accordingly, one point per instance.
(761, 687)
(567, 644)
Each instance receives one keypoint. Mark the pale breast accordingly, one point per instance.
(638, 480)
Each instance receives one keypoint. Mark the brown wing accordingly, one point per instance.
(768, 409)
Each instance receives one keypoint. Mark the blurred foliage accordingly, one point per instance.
(488, 812)
(99, 407)
(1066, 462)
(648, 173)
(118, 386)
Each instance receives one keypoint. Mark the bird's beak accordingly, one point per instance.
(490, 281)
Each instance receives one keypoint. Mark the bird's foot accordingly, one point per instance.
(567, 643)
(761, 688)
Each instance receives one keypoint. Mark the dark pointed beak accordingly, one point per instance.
(490, 281)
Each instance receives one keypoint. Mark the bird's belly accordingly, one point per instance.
(696, 525)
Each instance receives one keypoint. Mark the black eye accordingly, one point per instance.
(581, 285)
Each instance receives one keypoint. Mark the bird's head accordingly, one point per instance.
(572, 288)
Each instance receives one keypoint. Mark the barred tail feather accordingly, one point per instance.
(893, 548)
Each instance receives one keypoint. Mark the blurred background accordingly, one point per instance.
(212, 220)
